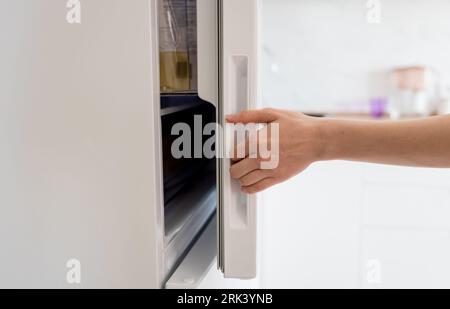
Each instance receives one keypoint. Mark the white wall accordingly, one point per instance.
(324, 55)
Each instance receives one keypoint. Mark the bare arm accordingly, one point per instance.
(422, 142)
(304, 140)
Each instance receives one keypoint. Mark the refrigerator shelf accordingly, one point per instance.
(175, 103)
(186, 215)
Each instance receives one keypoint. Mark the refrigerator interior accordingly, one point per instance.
(189, 182)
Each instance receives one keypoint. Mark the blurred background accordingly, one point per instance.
(350, 225)
(323, 56)
(337, 225)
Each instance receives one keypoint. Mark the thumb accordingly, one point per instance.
(254, 116)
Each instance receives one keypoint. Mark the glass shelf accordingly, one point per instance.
(174, 103)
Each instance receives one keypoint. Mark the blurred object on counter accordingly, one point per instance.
(378, 107)
(444, 102)
(414, 92)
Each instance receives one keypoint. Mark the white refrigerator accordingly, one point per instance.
(89, 197)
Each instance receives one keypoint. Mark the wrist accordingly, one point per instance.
(328, 143)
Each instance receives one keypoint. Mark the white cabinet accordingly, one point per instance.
(405, 227)
(356, 225)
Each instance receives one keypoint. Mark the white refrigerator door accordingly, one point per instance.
(238, 73)
(236, 70)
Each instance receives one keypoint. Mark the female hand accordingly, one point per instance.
(299, 145)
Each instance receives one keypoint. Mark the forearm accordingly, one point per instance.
(423, 142)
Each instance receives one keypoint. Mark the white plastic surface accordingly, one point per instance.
(208, 50)
(184, 226)
(239, 92)
(79, 148)
(197, 262)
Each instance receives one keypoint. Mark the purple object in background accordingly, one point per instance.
(378, 107)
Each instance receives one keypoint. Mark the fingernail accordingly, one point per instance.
(230, 118)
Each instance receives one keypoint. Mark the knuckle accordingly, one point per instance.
(251, 190)
(243, 180)
(245, 114)
(257, 187)
(269, 110)
(274, 112)
(233, 172)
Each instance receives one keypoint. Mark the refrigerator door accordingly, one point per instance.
(238, 92)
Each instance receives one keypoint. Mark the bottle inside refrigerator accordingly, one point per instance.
(178, 45)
